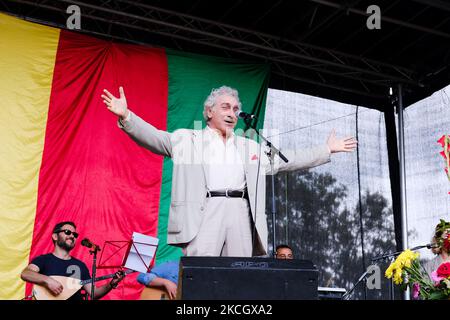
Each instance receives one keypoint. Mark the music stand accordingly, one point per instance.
(141, 253)
(137, 254)
(117, 247)
(137, 248)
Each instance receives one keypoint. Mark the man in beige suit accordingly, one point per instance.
(218, 183)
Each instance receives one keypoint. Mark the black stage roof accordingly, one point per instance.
(318, 47)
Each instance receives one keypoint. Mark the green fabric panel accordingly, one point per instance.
(191, 79)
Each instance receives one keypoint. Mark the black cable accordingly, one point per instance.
(314, 124)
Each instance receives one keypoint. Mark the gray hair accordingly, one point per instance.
(215, 93)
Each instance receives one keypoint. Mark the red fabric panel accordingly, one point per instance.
(92, 173)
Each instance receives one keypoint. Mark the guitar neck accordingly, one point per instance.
(103, 277)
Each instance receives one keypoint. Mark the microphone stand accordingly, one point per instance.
(349, 292)
(383, 257)
(394, 254)
(271, 154)
(94, 251)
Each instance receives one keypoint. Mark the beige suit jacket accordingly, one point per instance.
(188, 196)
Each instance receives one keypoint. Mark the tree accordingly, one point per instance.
(318, 225)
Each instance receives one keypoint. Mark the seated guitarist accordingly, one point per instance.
(60, 263)
(164, 276)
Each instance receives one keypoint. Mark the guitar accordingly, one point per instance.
(154, 294)
(70, 287)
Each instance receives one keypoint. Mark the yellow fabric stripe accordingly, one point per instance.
(27, 59)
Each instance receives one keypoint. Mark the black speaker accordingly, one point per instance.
(230, 278)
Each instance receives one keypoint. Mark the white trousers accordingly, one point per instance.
(225, 229)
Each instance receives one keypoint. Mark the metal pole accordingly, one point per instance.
(361, 227)
(402, 176)
(94, 273)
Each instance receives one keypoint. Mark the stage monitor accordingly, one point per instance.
(231, 278)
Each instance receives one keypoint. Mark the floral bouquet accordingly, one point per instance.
(441, 278)
(406, 270)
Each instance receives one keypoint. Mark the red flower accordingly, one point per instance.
(442, 141)
(446, 244)
(444, 270)
(443, 154)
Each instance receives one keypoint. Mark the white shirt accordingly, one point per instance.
(223, 164)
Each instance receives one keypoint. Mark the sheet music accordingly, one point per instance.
(142, 252)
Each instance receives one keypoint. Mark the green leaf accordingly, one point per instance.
(437, 295)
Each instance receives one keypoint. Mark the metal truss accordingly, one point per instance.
(435, 3)
(295, 60)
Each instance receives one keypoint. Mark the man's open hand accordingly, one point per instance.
(347, 144)
(118, 106)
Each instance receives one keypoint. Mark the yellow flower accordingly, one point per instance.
(408, 263)
(395, 269)
(406, 257)
(389, 272)
(398, 279)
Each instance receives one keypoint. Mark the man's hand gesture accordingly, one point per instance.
(118, 106)
(347, 144)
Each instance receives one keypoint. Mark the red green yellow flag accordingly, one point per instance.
(63, 156)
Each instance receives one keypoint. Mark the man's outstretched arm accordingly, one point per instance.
(146, 135)
(309, 158)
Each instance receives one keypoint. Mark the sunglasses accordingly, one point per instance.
(68, 233)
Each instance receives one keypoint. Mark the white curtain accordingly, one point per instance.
(427, 185)
(297, 121)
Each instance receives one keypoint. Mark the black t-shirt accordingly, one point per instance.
(50, 265)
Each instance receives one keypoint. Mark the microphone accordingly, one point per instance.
(428, 246)
(388, 255)
(244, 115)
(87, 243)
